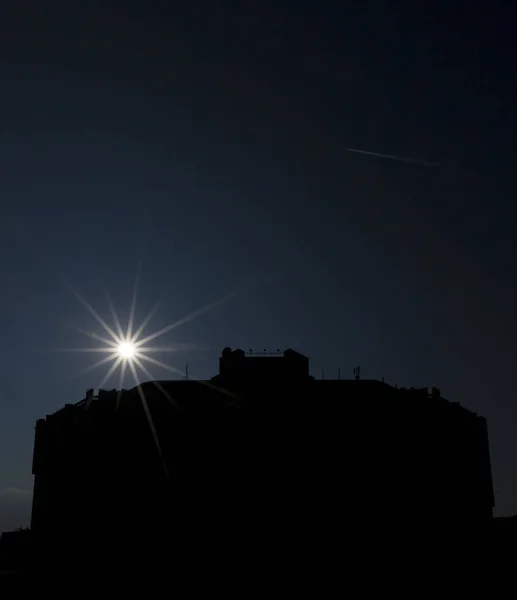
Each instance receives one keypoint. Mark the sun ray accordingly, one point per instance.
(149, 417)
(122, 374)
(133, 303)
(186, 319)
(114, 366)
(176, 348)
(91, 310)
(100, 349)
(94, 336)
(116, 320)
(159, 363)
(145, 322)
(120, 384)
(176, 371)
(158, 349)
(157, 384)
(217, 388)
(99, 363)
(167, 367)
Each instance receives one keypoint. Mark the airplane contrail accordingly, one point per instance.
(417, 161)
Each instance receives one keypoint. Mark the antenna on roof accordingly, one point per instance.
(186, 373)
(357, 373)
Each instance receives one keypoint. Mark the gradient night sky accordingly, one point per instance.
(209, 143)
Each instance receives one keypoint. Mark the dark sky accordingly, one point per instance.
(207, 140)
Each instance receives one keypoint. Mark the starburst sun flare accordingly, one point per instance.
(130, 349)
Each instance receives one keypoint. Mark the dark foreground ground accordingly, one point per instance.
(402, 564)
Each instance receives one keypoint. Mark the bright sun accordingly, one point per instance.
(126, 350)
(129, 349)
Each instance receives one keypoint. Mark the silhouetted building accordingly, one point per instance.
(104, 479)
(289, 366)
(15, 548)
(504, 542)
(310, 463)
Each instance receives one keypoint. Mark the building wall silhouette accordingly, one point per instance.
(309, 462)
(15, 547)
